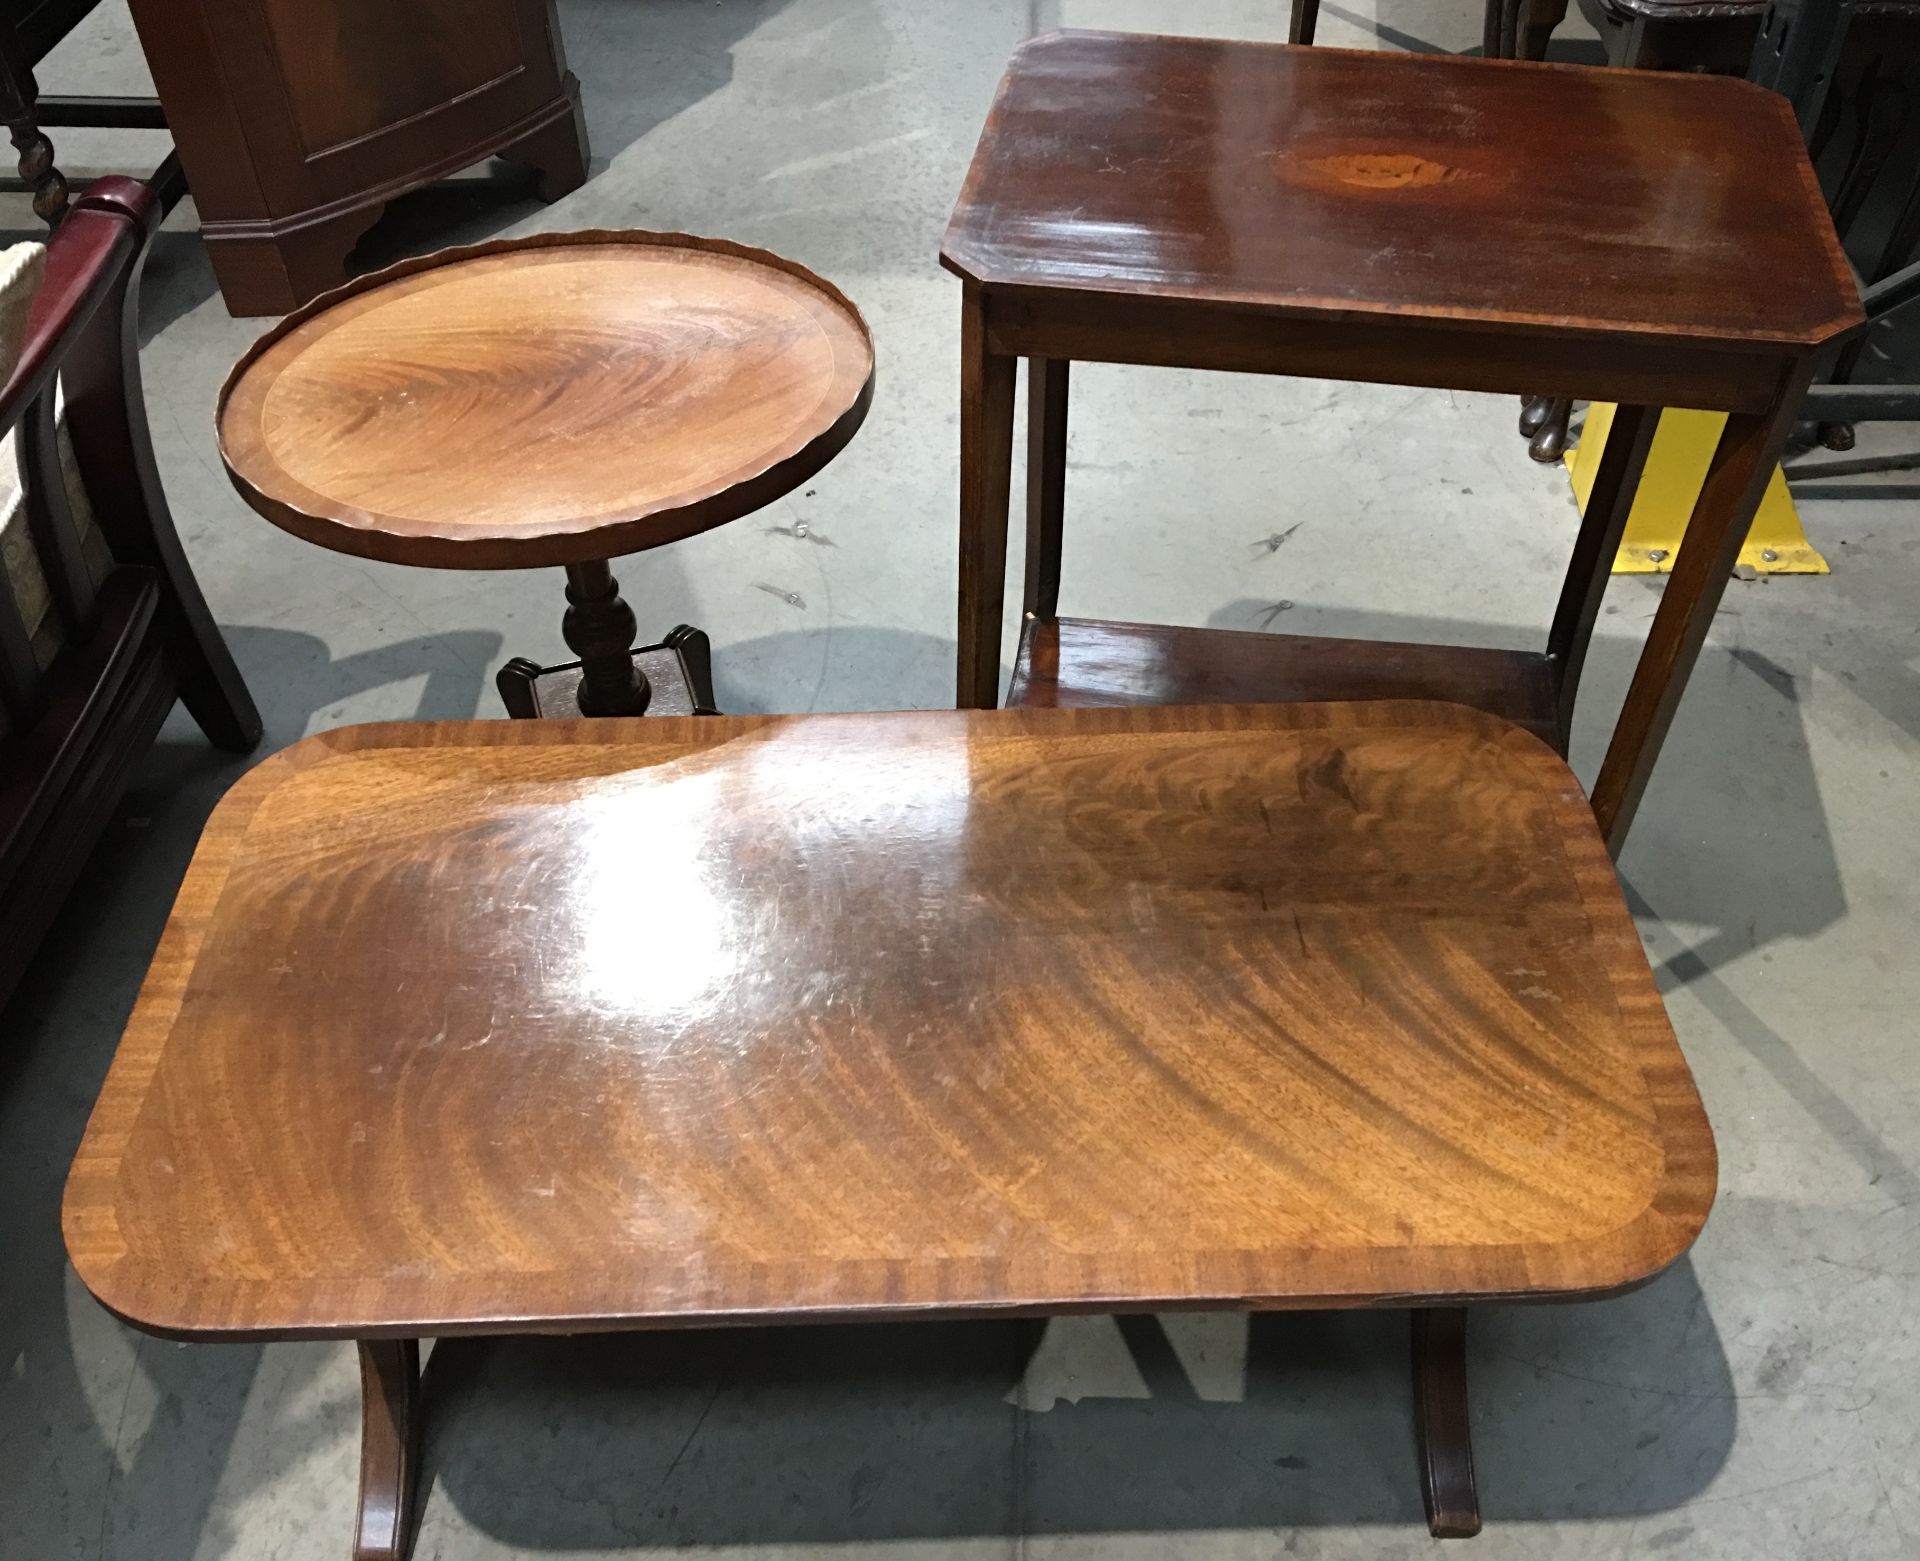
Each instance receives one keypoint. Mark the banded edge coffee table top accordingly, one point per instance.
(554, 399)
(486, 1026)
(1321, 182)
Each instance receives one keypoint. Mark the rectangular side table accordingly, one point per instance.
(549, 1026)
(1393, 218)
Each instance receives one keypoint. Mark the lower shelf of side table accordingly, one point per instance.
(1085, 661)
(679, 673)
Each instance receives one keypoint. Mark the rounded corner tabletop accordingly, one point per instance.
(1230, 1007)
(546, 400)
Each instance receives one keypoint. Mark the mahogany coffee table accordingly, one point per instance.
(1396, 218)
(565, 398)
(919, 1016)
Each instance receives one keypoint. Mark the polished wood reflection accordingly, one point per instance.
(556, 399)
(1069, 662)
(484, 1026)
(1261, 177)
(1399, 219)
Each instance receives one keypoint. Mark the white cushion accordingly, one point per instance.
(22, 267)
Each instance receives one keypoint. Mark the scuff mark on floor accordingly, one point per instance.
(1278, 540)
(800, 531)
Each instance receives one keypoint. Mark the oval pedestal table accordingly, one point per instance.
(557, 400)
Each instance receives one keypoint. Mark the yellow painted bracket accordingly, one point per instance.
(1676, 469)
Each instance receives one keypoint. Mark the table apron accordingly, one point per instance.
(1175, 333)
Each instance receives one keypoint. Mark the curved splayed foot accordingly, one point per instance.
(1441, 1424)
(389, 1448)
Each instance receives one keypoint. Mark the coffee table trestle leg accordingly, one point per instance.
(389, 1449)
(1440, 1422)
(600, 628)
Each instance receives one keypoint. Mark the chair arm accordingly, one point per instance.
(103, 238)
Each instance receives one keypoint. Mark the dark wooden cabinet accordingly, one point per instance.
(297, 121)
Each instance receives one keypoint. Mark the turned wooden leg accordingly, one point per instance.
(389, 1448)
(1046, 483)
(599, 628)
(1306, 16)
(37, 168)
(1544, 421)
(986, 476)
(557, 152)
(1737, 479)
(1440, 1422)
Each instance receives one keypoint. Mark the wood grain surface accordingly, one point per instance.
(546, 400)
(1325, 181)
(497, 1025)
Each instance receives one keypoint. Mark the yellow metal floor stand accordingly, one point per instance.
(1676, 467)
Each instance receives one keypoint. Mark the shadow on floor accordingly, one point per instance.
(1400, 26)
(834, 668)
(61, 1029)
(1383, 27)
(851, 1434)
(300, 677)
(634, 75)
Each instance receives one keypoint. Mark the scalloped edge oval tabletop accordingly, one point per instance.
(552, 399)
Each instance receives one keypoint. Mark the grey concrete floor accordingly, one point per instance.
(1760, 1400)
